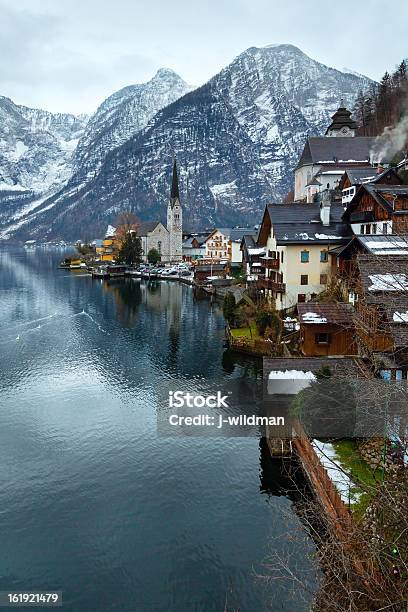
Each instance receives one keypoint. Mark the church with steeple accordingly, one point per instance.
(166, 240)
(325, 158)
(175, 219)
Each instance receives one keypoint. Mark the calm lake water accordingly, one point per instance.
(93, 501)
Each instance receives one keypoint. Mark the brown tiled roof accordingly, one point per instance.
(333, 313)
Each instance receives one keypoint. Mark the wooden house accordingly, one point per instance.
(354, 177)
(378, 209)
(205, 273)
(326, 329)
(382, 306)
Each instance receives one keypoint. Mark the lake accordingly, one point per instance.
(94, 501)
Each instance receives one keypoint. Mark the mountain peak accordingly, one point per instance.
(165, 73)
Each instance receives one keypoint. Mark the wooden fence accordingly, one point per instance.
(323, 486)
(253, 346)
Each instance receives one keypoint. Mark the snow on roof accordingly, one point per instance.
(326, 237)
(291, 375)
(387, 243)
(400, 317)
(313, 317)
(303, 236)
(111, 231)
(388, 282)
(254, 251)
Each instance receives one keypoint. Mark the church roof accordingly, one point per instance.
(174, 194)
(342, 118)
(143, 229)
(324, 150)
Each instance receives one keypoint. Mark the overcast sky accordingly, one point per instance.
(68, 55)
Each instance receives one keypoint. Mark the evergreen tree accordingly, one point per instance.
(130, 252)
(228, 307)
(153, 256)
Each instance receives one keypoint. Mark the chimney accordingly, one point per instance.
(380, 170)
(325, 207)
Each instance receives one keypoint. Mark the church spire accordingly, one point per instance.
(174, 184)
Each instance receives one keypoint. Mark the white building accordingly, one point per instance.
(325, 158)
(224, 243)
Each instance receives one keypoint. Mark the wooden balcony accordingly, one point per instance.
(270, 263)
(267, 283)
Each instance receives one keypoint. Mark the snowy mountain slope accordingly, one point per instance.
(36, 147)
(121, 116)
(237, 140)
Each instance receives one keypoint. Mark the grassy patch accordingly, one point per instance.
(246, 332)
(351, 461)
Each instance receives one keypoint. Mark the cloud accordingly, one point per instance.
(70, 54)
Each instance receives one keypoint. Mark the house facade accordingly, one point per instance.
(224, 244)
(297, 239)
(327, 329)
(378, 209)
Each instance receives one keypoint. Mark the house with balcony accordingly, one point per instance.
(224, 244)
(297, 238)
(251, 258)
(378, 209)
(193, 247)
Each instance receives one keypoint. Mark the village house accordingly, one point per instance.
(251, 257)
(206, 273)
(194, 246)
(381, 304)
(108, 248)
(325, 158)
(326, 329)
(297, 239)
(353, 178)
(224, 244)
(378, 209)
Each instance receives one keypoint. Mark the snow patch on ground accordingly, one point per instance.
(329, 460)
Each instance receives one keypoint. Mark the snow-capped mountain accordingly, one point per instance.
(237, 140)
(121, 116)
(36, 147)
(42, 151)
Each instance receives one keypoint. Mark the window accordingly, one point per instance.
(304, 256)
(368, 229)
(301, 297)
(324, 256)
(362, 229)
(385, 228)
(322, 338)
(281, 256)
(323, 279)
(159, 246)
(304, 279)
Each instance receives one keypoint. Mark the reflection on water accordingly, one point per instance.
(93, 501)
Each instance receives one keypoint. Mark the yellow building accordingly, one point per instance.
(110, 246)
(297, 238)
